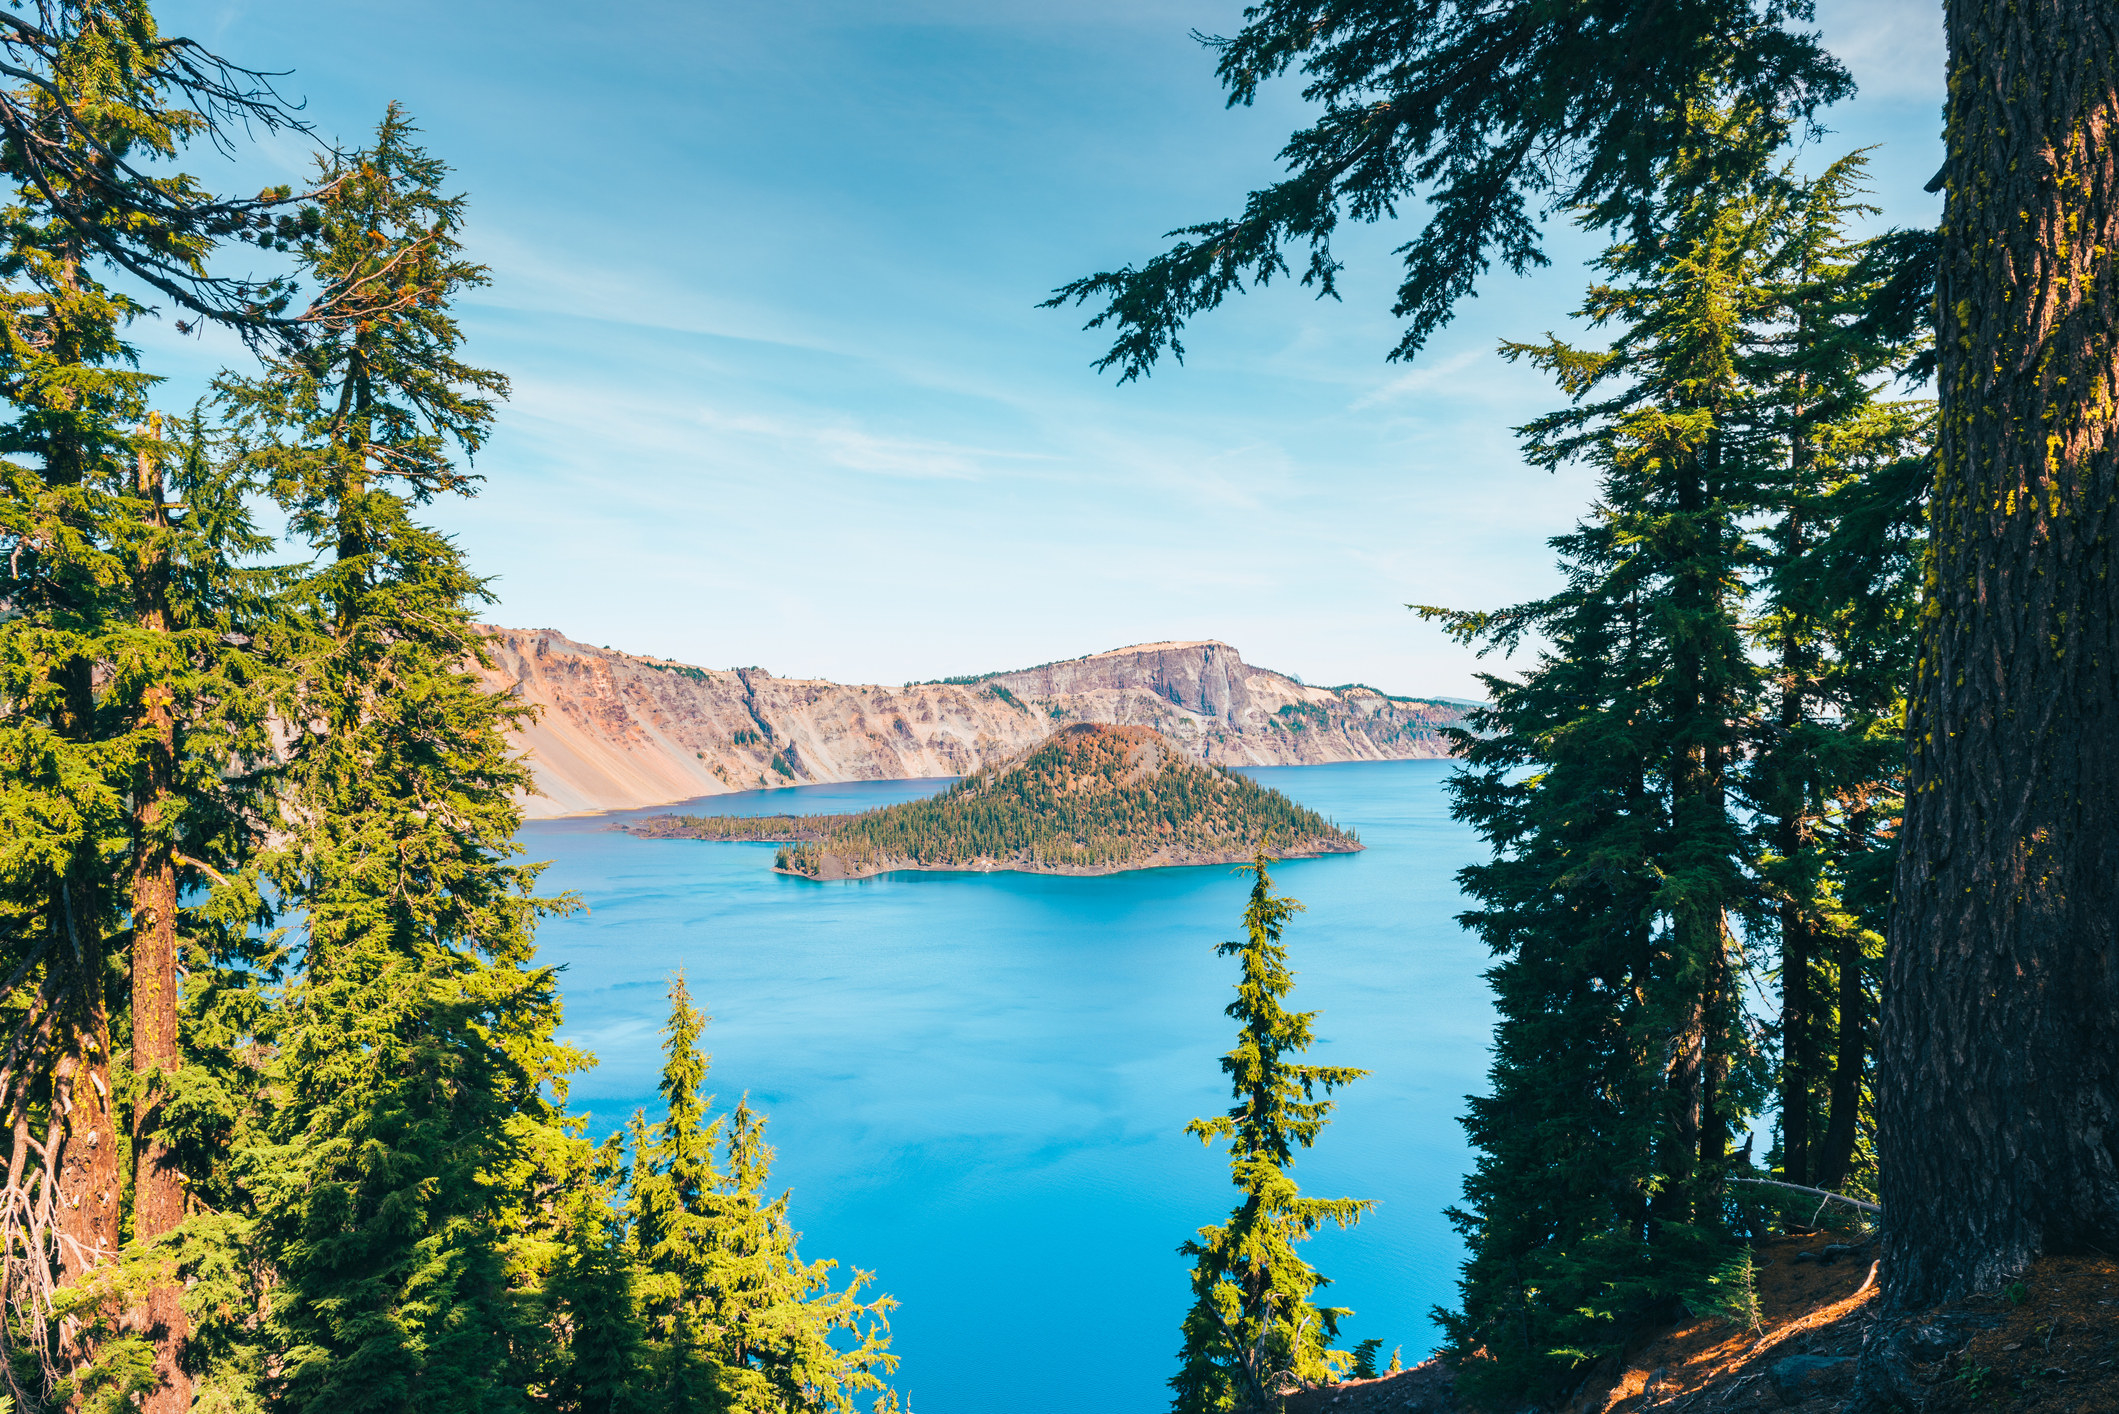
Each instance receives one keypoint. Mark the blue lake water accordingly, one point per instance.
(979, 1083)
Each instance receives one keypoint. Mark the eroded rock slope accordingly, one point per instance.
(617, 730)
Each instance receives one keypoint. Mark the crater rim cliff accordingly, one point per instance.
(620, 730)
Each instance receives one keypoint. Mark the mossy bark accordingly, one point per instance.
(1999, 1049)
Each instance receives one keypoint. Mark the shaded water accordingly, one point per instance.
(978, 1083)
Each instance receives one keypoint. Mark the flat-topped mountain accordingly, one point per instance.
(620, 731)
(1092, 799)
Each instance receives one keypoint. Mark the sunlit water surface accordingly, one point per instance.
(979, 1083)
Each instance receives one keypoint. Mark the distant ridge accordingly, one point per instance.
(621, 731)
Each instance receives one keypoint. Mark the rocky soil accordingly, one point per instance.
(2048, 1344)
(619, 731)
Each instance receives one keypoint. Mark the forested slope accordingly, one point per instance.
(1091, 800)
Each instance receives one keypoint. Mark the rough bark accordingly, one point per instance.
(86, 1180)
(1835, 1158)
(158, 1184)
(1998, 1058)
(1791, 835)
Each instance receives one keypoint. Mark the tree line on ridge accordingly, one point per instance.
(1085, 798)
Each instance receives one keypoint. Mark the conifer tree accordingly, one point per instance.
(674, 1210)
(102, 97)
(1835, 622)
(418, 1049)
(791, 1341)
(1503, 114)
(593, 1297)
(130, 722)
(1658, 799)
(739, 1320)
(195, 683)
(1605, 780)
(1254, 1325)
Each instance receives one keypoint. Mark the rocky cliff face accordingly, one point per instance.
(617, 731)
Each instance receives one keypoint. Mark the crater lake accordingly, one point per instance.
(978, 1083)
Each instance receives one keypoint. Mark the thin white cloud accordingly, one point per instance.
(534, 279)
(1894, 48)
(614, 428)
(1421, 378)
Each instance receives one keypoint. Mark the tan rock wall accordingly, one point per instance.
(617, 731)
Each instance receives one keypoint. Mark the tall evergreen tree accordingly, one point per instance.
(1254, 1324)
(593, 1295)
(418, 1055)
(1604, 779)
(195, 683)
(124, 736)
(739, 1320)
(792, 1341)
(1999, 975)
(1835, 624)
(674, 1210)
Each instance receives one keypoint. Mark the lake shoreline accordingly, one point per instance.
(992, 866)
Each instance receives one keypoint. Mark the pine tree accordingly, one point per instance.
(1835, 620)
(739, 1320)
(673, 1209)
(1254, 1324)
(414, 1117)
(1999, 975)
(131, 722)
(1500, 115)
(1495, 116)
(1606, 780)
(68, 444)
(789, 1340)
(594, 1301)
(103, 94)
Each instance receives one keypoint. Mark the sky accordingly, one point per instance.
(765, 277)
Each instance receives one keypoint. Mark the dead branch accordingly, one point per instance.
(1815, 1193)
(202, 866)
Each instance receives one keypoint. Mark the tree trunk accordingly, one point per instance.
(1998, 1059)
(1791, 836)
(82, 1154)
(158, 1185)
(1699, 1139)
(1843, 1126)
(1796, 1061)
(86, 1182)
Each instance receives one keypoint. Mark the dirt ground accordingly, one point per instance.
(2048, 1344)
(1814, 1309)
(1424, 1389)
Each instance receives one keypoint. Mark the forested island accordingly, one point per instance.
(1092, 799)
(1796, 801)
(738, 829)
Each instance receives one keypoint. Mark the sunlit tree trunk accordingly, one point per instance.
(158, 1183)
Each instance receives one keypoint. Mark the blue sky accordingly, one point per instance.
(765, 277)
